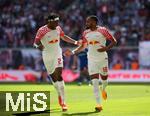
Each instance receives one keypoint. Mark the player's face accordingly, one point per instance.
(53, 24)
(88, 23)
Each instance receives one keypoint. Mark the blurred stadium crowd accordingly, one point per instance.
(128, 20)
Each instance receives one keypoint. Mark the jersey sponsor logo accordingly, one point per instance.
(93, 42)
(53, 41)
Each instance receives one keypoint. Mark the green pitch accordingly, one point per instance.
(123, 100)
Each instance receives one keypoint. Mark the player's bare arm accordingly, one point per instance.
(80, 48)
(113, 42)
(70, 40)
(75, 51)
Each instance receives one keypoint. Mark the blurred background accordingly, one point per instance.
(127, 20)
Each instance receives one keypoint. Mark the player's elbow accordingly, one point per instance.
(114, 41)
(65, 38)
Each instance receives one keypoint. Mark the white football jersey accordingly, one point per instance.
(50, 39)
(96, 39)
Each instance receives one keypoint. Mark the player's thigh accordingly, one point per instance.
(50, 64)
(103, 67)
(59, 61)
(93, 68)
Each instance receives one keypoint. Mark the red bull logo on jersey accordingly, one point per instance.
(53, 41)
(93, 42)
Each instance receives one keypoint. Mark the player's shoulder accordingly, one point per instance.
(59, 28)
(101, 28)
(43, 28)
(86, 31)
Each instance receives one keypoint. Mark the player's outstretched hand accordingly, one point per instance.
(38, 46)
(102, 49)
(68, 53)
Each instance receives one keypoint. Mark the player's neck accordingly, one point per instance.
(52, 28)
(93, 28)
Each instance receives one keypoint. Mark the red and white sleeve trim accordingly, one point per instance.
(105, 32)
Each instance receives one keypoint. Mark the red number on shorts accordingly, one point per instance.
(105, 69)
(59, 60)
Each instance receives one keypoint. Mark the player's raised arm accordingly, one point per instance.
(70, 40)
(67, 38)
(109, 37)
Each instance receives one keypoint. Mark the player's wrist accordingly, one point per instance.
(76, 42)
(35, 45)
(73, 52)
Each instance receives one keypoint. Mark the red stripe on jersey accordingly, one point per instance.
(41, 32)
(84, 34)
(105, 32)
(61, 31)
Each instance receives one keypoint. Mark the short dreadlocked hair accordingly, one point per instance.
(95, 18)
(52, 17)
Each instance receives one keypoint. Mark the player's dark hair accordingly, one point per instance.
(95, 18)
(52, 16)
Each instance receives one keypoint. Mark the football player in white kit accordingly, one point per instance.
(95, 38)
(47, 40)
